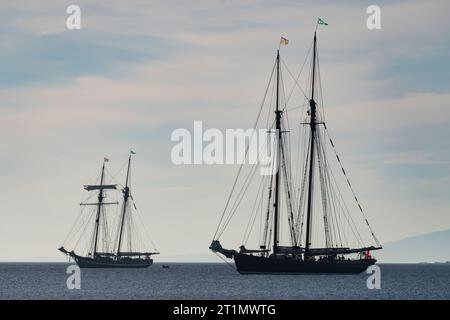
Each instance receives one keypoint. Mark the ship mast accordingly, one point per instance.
(99, 208)
(278, 113)
(126, 195)
(312, 124)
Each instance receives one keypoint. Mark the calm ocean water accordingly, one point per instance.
(218, 281)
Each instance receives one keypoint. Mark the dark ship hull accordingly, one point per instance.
(84, 262)
(249, 264)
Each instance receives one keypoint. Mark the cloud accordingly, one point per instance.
(59, 58)
(136, 72)
(397, 114)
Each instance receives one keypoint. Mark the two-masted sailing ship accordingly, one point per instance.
(321, 232)
(104, 248)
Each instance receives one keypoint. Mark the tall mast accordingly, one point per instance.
(126, 195)
(278, 113)
(312, 105)
(99, 208)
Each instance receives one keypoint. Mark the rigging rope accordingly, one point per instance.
(351, 188)
(226, 262)
(255, 210)
(300, 72)
(246, 152)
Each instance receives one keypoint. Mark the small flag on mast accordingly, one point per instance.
(320, 21)
(132, 152)
(284, 41)
(105, 159)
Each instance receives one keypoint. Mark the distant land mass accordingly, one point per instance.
(429, 247)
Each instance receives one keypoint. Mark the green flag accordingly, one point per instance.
(320, 21)
(132, 152)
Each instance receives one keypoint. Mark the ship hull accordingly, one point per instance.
(84, 262)
(248, 264)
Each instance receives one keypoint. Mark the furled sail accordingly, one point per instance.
(92, 187)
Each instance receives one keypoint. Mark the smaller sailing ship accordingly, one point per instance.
(102, 251)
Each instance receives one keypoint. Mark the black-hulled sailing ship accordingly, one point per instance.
(104, 249)
(342, 248)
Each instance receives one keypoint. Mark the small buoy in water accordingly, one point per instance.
(165, 267)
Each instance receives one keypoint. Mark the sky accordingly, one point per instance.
(138, 70)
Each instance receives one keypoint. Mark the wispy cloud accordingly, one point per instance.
(135, 72)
